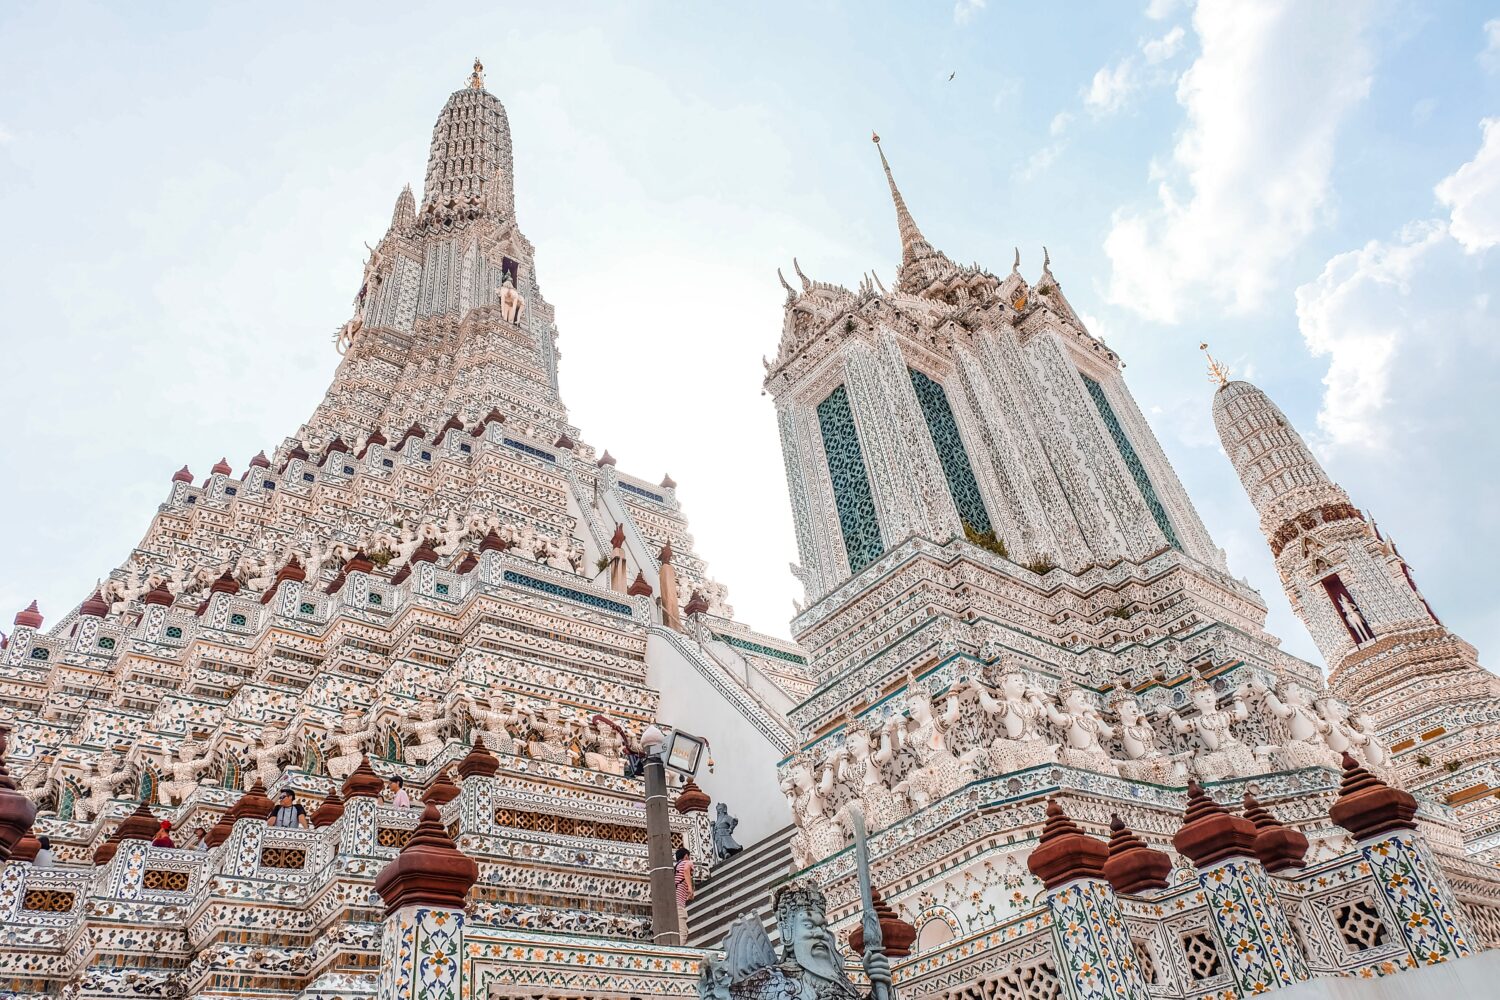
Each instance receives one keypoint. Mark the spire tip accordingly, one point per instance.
(1216, 370)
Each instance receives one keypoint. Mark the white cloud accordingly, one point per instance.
(1044, 157)
(5, 135)
(1111, 87)
(1490, 57)
(1356, 313)
(1158, 50)
(964, 10)
(1472, 194)
(1007, 92)
(1039, 161)
(1361, 311)
(1160, 10)
(1248, 178)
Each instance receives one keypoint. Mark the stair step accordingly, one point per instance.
(753, 869)
(743, 884)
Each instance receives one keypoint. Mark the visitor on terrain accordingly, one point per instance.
(288, 811)
(163, 836)
(683, 877)
(44, 857)
(202, 838)
(399, 798)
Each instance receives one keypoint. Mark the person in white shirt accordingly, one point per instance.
(399, 797)
(44, 858)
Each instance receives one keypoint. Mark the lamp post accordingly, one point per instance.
(682, 752)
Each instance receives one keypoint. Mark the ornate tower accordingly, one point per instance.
(960, 416)
(436, 559)
(1388, 654)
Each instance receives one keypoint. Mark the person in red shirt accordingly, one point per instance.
(163, 836)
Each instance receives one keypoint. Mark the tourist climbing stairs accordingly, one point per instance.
(744, 883)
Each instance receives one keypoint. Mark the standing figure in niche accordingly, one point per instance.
(511, 301)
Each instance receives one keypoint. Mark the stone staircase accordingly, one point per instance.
(745, 882)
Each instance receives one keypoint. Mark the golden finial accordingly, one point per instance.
(476, 78)
(874, 137)
(1216, 371)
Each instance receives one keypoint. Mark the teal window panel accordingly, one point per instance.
(950, 449)
(1132, 460)
(851, 483)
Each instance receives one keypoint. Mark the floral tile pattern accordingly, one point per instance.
(1419, 897)
(1092, 944)
(1252, 927)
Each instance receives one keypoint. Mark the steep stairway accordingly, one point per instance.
(743, 883)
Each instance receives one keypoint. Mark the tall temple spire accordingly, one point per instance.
(921, 263)
(914, 245)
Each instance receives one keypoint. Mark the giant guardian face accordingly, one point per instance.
(813, 944)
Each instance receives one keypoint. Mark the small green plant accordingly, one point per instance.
(1452, 766)
(601, 564)
(1123, 614)
(849, 325)
(382, 557)
(1042, 566)
(986, 540)
(1424, 760)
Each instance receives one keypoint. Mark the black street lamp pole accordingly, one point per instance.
(664, 922)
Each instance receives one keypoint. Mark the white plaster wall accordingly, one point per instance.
(1475, 978)
(744, 775)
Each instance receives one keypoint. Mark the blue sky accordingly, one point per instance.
(1309, 187)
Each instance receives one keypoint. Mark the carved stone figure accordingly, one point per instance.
(111, 773)
(1084, 732)
(1144, 761)
(499, 729)
(934, 771)
(1020, 711)
(1221, 754)
(1370, 748)
(817, 835)
(184, 772)
(721, 832)
(551, 735)
(811, 966)
(424, 721)
(604, 745)
(1307, 742)
(351, 742)
(276, 744)
(867, 767)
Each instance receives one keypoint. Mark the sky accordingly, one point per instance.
(1312, 188)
